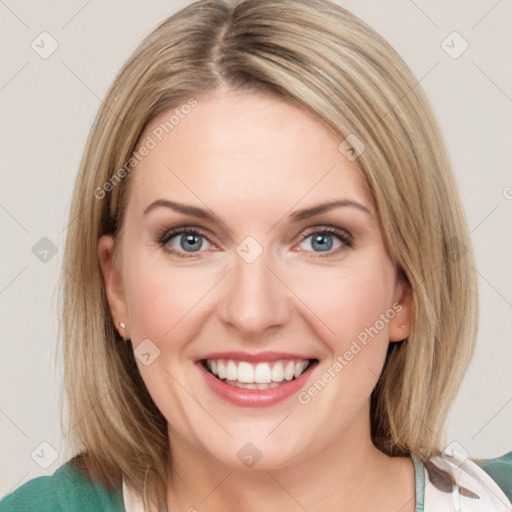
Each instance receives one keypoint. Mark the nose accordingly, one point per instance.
(255, 300)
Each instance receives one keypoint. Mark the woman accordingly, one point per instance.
(265, 302)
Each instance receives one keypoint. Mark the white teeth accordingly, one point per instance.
(299, 368)
(245, 372)
(221, 369)
(238, 384)
(278, 372)
(262, 373)
(289, 370)
(256, 376)
(231, 371)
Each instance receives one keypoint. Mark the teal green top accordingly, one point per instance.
(500, 470)
(68, 490)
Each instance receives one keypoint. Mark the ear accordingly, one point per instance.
(400, 325)
(113, 285)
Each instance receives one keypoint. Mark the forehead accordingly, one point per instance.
(244, 146)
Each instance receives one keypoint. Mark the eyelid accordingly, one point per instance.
(168, 233)
(165, 235)
(327, 229)
(344, 237)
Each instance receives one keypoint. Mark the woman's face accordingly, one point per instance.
(231, 263)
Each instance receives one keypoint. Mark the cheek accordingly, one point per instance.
(352, 304)
(348, 300)
(163, 301)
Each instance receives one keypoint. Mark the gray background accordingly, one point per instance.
(48, 105)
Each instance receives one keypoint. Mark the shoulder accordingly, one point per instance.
(453, 480)
(500, 470)
(67, 489)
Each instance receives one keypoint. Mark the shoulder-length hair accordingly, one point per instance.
(320, 57)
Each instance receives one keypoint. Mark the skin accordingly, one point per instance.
(253, 160)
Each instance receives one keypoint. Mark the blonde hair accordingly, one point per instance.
(319, 56)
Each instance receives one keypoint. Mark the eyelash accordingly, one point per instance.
(344, 237)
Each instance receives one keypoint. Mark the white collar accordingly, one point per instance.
(132, 500)
(470, 476)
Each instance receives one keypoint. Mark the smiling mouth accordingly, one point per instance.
(263, 375)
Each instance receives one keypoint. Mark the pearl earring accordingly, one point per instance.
(122, 325)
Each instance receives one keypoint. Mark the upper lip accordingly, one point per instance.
(253, 356)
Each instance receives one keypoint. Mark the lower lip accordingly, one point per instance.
(243, 397)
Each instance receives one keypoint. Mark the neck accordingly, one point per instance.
(349, 474)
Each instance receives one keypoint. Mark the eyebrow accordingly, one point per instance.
(321, 208)
(297, 216)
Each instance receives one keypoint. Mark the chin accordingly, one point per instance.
(258, 451)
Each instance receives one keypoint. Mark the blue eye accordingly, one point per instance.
(327, 240)
(186, 241)
(190, 241)
(182, 240)
(321, 242)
